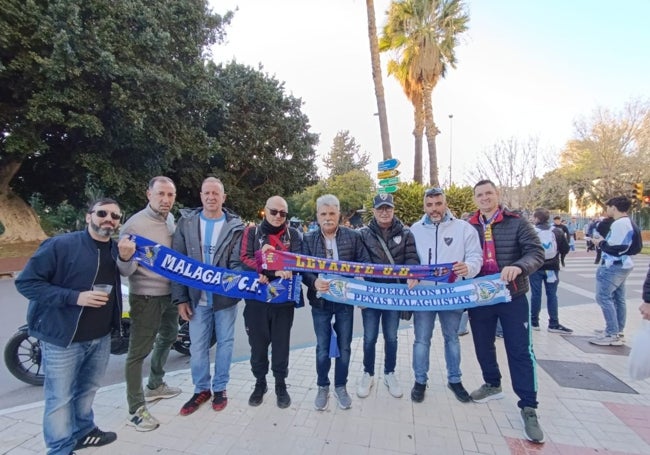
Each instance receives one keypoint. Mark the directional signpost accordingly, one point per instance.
(388, 175)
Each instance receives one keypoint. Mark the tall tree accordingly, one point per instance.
(260, 140)
(424, 35)
(609, 153)
(95, 92)
(345, 155)
(512, 165)
(378, 81)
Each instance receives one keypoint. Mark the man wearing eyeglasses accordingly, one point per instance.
(441, 238)
(335, 242)
(511, 248)
(210, 234)
(269, 324)
(154, 318)
(73, 323)
(388, 241)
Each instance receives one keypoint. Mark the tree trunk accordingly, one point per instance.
(376, 78)
(431, 132)
(418, 132)
(18, 219)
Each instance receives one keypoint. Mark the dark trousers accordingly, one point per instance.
(268, 324)
(515, 321)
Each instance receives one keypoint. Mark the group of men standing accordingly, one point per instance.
(74, 322)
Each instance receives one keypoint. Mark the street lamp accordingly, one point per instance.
(451, 118)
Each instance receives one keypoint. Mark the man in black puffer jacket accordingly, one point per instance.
(511, 248)
(388, 242)
(336, 242)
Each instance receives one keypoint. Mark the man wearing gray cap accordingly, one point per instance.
(388, 242)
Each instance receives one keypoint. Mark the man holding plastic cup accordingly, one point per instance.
(73, 319)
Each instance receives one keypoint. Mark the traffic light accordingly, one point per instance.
(638, 191)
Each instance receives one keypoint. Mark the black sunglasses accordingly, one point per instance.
(275, 212)
(104, 214)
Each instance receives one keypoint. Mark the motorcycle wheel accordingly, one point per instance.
(23, 358)
(183, 342)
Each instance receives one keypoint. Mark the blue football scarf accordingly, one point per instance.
(218, 280)
(486, 290)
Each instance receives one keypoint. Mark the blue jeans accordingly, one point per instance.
(72, 377)
(389, 325)
(423, 322)
(343, 320)
(536, 280)
(610, 295)
(203, 323)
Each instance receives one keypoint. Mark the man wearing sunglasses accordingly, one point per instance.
(441, 238)
(388, 241)
(269, 324)
(210, 234)
(74, 324)
(335, 242)
(154, 318)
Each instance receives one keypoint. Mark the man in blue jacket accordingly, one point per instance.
(74, 324)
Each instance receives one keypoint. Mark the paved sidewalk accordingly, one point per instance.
(576, 421)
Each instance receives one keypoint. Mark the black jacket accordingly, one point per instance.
(516, 243)
(350, 247)
(399, 241)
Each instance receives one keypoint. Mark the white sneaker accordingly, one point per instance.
(142, 420)
(365, 384)
(607, 340)
(601, 332)
(393, 385)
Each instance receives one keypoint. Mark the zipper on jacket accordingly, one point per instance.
(76, 326)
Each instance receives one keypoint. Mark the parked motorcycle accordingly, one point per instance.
(22, 354)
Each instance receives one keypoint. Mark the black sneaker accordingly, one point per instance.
(257, 396)
(559, 329)
(417, 392)
(283, 398)
(459, 391)
(96, 438)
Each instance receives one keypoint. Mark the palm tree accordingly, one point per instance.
(423, 34)
(376, 77)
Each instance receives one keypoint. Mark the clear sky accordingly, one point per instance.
(525, 68)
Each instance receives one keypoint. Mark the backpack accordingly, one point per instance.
(549, 242)
(637, 241)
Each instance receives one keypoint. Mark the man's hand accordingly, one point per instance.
(126, 247)
(645, 310)
(460, 269)
(412, 282)
(284, 274)
(322, 285)
(185, 311)
(510, 272)
(94, 299)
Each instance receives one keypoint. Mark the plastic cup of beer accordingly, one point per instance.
(107, 288)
